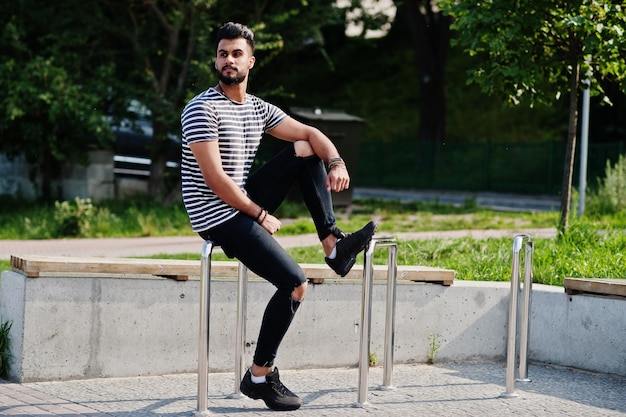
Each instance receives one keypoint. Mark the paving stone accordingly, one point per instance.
(467, 389)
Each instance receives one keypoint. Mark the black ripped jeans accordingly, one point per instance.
(243, 238)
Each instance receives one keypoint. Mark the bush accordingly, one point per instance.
(610, 197)
(73, 219)
(85, 219)
(5, 349)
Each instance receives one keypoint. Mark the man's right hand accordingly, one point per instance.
(271, 224)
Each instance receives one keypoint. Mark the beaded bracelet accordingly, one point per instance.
(333, 162)
(259, 215)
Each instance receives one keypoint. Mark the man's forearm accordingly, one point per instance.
(228, 191)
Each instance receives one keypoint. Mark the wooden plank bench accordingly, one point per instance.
(34, 266)
(597, 286)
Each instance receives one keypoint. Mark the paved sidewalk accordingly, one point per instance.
(472, 389)
(492, 200)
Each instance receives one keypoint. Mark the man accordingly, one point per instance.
(222, 129)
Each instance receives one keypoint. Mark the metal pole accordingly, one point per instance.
(366, 316)
(584, 141)
(390, 316)
(203, 339)
(525, 324)
(242, 302)
(512, 331)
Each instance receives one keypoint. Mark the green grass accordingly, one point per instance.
(586, 252)
(592, 248)
(144, 217)
(81, 218)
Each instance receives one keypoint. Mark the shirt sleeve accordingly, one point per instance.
(274, 117)
(199, 122)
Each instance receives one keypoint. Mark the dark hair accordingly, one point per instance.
(232, 30)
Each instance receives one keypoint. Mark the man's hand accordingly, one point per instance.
(270, 223)
(338, 179)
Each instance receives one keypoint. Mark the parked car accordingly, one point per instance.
(133, 140)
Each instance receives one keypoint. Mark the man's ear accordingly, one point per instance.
(251, 62)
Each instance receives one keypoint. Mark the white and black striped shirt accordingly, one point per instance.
(239, 128)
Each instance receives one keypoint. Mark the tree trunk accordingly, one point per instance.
(430, 35)
(158, 156)
(47, 169)
(568, 170)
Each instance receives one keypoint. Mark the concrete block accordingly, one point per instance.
(581, 331)
(72, 327)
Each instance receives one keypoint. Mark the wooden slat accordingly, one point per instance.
(33, 266)
(603, 286)
(318, 273)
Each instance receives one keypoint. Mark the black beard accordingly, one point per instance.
(231, 80)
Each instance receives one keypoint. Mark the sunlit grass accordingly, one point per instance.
(587, 251)
(593, 247)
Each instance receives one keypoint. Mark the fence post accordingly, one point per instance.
(203, 341)
(366, 317)
(525, 315)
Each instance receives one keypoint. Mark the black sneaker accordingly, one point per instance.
(348, 247)
(273, 392)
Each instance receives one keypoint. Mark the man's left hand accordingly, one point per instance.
(338, 179)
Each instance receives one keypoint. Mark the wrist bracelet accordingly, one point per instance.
(335, 162)
(259, 215)
(264, 217)
(332, 161)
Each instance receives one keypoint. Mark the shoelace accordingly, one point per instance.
(279, 387)
(338, 232)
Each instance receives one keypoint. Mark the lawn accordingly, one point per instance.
(592, 248)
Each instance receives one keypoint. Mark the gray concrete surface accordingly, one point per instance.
(496, 201)
(94, 325)
(468, 389)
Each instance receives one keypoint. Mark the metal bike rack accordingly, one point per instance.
(203, 341)
(525, 315)
(366, 316)
(366, 313)
(242, 302)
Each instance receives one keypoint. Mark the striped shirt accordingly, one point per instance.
(238, 127)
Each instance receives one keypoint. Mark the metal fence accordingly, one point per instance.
(535, 168)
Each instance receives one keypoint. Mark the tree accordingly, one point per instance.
(155, 46)
(429, 31)
(52, 86)
(533, 50)
(64, 63)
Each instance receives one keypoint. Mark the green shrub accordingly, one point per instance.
(610, 196)
(73, 218)
(5, 349)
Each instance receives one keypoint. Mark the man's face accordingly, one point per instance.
(234, 60)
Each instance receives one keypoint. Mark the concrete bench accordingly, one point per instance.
(34, 266)
(131, 321)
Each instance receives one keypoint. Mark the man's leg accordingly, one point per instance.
(246, 240)
(297, 163)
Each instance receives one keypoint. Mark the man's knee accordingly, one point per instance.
(298, 292)
(303, 148)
